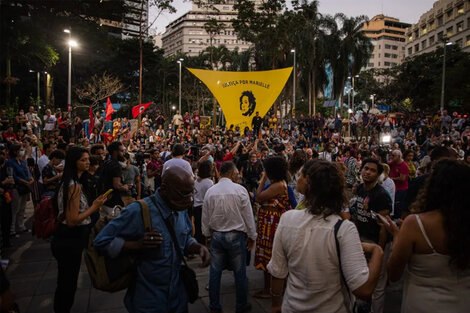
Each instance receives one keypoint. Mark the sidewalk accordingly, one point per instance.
(32, 272)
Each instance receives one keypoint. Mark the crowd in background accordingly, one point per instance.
(356, 169)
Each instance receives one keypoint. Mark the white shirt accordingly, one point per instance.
(389, 186)
(304, 251)
(200, 189)
(177, 119)
(227, 207)
(178, 163)
(42, 162)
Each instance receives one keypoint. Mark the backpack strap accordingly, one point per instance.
(145, 214)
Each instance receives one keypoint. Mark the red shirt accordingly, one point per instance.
(396, 170)
(196, 120)
(186, 121)
(228, 157)
(9, 136)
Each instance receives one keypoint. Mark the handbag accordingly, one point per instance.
(187, 275)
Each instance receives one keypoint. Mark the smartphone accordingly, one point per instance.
(106, 194)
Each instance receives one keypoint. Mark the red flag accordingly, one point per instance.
(139, 109)
(92, 122)
(109, 110)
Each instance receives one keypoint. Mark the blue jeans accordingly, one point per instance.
(228, 248)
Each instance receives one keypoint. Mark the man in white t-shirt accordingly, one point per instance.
(177, 119)
(177, 154)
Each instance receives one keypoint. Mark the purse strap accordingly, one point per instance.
(171, 230)
(336, 229)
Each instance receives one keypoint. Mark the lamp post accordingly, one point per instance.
(180, 61)
(71, 43)
(38, 78)
(446, 43)
(356, 76)
(293, 89)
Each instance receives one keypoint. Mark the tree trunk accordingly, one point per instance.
(309, 93)
(314, 88)
(8, 76)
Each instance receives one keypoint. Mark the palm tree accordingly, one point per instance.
(311, 31)
(352, 50)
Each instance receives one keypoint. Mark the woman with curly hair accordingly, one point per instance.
(314, 248)
(434, 244)
(274, 201)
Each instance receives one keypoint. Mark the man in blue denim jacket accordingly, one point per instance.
(157, 287)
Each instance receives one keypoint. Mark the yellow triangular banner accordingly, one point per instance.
(242, 94)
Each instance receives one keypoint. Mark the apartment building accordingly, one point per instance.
(187, 34)
(447, 20)
(388, 35)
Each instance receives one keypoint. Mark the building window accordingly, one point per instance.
(460, 27)
(459, 43)
(379, 63)
(387, 63)
(467, 43)
(416, 34)
(423, 31)
(417, 47)
(388, 47)
(440, 35)
(424, 44)
(387, 55)
(431, 25)
(431, 40)
(449, 31)
(410, 51)
(394, 47)
(460, 9)
(449, 15)
(370, 65)
(468, 22)
(440, 20)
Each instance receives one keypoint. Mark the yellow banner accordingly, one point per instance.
(242, 94)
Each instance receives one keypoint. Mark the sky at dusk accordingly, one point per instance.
(406, 10)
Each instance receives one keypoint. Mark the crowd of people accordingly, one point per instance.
(318, 202)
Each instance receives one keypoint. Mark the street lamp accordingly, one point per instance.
(446, 43)
(293, 89)
(72, 44)
(38, 76)
(372, 97)
(180, 61)
(356, 76)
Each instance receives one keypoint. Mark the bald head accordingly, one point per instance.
(177, 188)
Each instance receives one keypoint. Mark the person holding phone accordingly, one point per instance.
(73, 231)
(372, 199)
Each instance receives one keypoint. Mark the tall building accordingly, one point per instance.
(448, 19)
(187, 34)
(389, 39)
(128, 25)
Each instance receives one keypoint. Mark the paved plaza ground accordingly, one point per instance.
(32, 272)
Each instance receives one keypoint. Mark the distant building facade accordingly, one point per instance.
(388, 35)
(129, 25)
(187, 35)
(447, 19)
